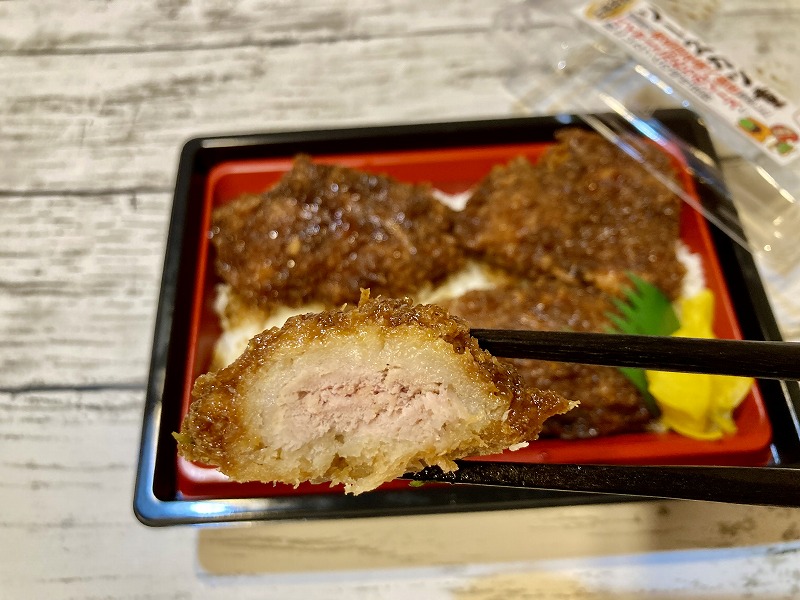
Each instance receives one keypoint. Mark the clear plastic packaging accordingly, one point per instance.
(559, 63)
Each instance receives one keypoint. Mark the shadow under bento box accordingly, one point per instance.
(452, 157)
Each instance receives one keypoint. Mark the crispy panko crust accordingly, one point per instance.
(218, 429)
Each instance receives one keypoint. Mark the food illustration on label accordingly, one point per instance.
(785, 139)
(780, 138)
(755, 128)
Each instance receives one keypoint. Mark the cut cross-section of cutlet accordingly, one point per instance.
(360, 396)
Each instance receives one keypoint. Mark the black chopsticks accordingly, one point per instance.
(759, 359)
(771, 486)
(768, 486)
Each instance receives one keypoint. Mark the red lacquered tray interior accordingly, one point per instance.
(454, 171)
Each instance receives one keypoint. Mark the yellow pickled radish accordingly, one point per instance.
(697, 405)
(696, 315)
(685, 402)
(729, 392)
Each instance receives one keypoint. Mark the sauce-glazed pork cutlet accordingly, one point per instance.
(609, 403)
(326, 231)
(584, 213)
(360, 396)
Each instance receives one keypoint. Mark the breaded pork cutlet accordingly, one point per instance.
(608, 402)
(585, 213)
(326, 231)
(360, 396)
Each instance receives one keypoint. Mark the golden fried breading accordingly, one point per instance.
(360, 396)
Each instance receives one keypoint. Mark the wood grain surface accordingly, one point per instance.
(96, 100)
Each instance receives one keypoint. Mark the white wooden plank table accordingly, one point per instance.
(96, 99)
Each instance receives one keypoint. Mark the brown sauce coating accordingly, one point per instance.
(325, 231)
(609, 403)
(584, 213)
(569, 228)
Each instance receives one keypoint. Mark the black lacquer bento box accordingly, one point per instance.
(453, 157)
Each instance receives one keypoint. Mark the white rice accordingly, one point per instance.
(694, 281)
